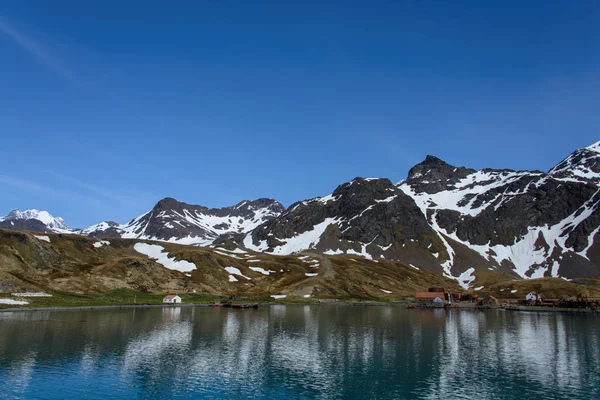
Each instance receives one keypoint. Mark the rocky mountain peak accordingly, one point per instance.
(167, 203)
(446, 218)
(434, 175)
(594, 147)
(368, 188)
(176, 221)
(433, 160)
(582, 165)
(247, 206)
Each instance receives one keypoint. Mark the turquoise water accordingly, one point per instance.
(298, 352)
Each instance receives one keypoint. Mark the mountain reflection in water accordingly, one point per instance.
(297, 351)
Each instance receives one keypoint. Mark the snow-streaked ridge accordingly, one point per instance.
(470, 196)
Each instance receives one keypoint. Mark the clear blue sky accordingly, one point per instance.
(108, 106)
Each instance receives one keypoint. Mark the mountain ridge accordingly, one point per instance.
(442, 217)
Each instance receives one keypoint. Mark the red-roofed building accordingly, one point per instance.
(172, 298)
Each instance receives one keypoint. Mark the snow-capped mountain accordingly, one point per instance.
(34, 220)
(455, 220)
(581, 165)
(174, 221)
(527, 223)
(536, 224)
(366, 216)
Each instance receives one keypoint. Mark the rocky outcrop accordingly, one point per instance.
(529, 221)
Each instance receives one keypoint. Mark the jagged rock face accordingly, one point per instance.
(582, 165)
(368, 217)
(434, 175)
(529, 221)
(172, 220)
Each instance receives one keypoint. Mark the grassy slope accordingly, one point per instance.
(111, 298)
(77, 273)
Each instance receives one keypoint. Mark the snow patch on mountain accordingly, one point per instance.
(176, 222)
(470, 187)
(472, 193)
(101, 227)
(302, 241)
(466, 278)
(581, 165)
(262, 270)
(161, 256)
(524, 254)
(235, 271)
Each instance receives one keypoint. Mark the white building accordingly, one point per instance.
(172, 298)
(533, 296)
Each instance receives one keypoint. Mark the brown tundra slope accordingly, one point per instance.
(76, 264)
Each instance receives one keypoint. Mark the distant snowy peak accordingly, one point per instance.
(104, 229)
(102, 226)
(582, 165)
(36, 220)
(175, 221)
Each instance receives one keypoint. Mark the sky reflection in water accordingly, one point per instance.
(296, 352)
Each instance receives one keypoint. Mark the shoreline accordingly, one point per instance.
(552, 310)
(115, 307)
(401, 304)
(132, 306)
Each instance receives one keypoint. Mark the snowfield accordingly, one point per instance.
(302, 241)
(262, 271)
(466, 278)
(234, 271)
(159, 254)
(13, 302)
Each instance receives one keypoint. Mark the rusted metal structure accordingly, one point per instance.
(456, 296)
(489, 301)
(428, 296)
(437, 290)
(469, 297)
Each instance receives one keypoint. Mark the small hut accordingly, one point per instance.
(533, 297)
(172, 299)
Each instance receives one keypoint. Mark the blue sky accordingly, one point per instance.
(107, 107)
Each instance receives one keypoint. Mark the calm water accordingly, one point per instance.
(299, 352)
